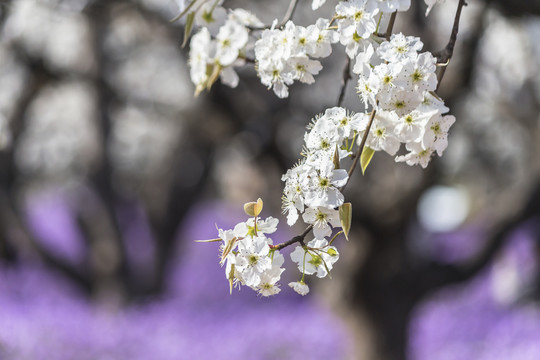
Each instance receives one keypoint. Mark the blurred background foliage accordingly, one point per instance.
(110, 168)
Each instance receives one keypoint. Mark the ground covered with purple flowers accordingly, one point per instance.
(489, 318)
(42, 316)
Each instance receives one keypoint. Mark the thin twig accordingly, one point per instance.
(444, 56)
(360, 148)
(296, 239)
(390, 25)
(389, 28)
(344, 81)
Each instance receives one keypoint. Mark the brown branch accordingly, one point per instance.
(389, 28)
(296, 239)
(444, 56)
(360, 149)
(344, 81)
(390, 25)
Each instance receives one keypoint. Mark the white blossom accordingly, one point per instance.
(417, 155)
(321, 218)
(300, 287)
(436, 135)
(245, 17)
(200, 54)
(231, 38)
(210, 16)
(317, 258)
(382, 136)
(411, 127)
(399, 48)
(283, 56)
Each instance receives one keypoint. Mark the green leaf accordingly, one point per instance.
(345, 218)
(188, 27)
(365, 158)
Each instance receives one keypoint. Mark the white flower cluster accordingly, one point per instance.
(312, 186)
(216, 49)
(395, 80)
(249, 259)
(398, 82)
(283, 56)
(357, 20)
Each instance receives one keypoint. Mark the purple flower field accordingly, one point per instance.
(43, 317)
(485, 319)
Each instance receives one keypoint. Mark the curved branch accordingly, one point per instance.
(444, 56)
(344, 81)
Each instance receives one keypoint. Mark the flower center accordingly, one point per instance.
(207, 17)
(417, 76)
(409, 119)
(323, 182)
(315, 260)
(400, 104)
(320, 216)
(253, 259)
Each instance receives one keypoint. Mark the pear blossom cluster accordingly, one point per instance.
(399, 83)
(219, 47)
(358, 20)
(312, 187)
(248, 257)
(285, 55)
(396, 84)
